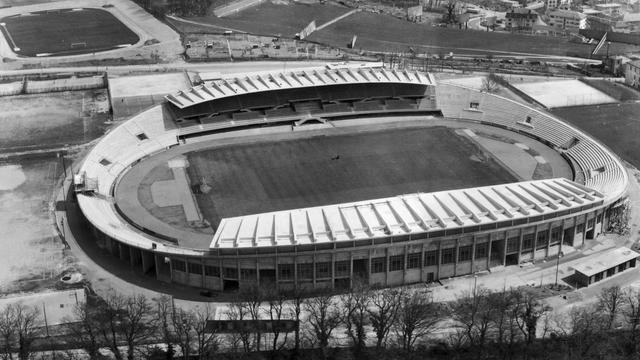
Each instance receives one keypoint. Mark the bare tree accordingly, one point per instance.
(127, 319)
(297, 297)
(237, 312)
(323, 318)
(418, 316)
(276, 312)
(383, 313)
(164, 314)
(489, 84)
(206, 339)
(529, 310)
(610, 301)
(450, 8)
(252, 297)
(476, 315)
(137, 323)
(183, 323)
(7, 331)
(631, 315)
(83, 327)
(19, 326)
(355, 313)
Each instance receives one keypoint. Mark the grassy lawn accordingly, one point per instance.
(379, 32)
(271, 176)
(271, 19)
(615, 125)
(66, 32)
(617, 91)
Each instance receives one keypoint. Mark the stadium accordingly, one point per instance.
(313, 178)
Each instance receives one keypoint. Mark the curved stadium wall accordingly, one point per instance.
(556, 213)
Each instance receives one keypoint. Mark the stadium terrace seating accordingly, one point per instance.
(455, 102)
(394, 104)
(337, 108)
(307, 107)
(367, 106)
(250, 115)
(280, 112)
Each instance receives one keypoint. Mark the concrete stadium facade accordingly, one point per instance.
(388, 242)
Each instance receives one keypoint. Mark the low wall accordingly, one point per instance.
(12, 88)
(66, 84)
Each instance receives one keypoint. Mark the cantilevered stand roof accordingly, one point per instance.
(217, 89)
(404, 215)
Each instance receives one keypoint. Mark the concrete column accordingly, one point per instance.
(386, 261)
(314, 270)
(520, 245)
(489, 251)
(546, 254)
(422, 251)
(258, 271)
(157, 262)
(504, 253)
(221, 273)
(439, 259)
(295, 271)
(132, 261)
(333, 270)
(473, 254)
(203, 274)
(535, 245)
(455, 258)
(351, 268)
(275, 266)
(404, 271)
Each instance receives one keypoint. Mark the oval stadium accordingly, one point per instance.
(313, 178)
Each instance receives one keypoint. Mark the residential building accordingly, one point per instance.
(552, 4)
(632, 73)
(520, 19)
(567, 20)
(611, 9)
(616, 64)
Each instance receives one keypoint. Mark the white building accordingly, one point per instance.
(567, 20)
(632, 73)
(552, 4)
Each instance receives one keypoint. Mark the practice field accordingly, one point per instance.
(615, 125)
(322, 170)
(563, 93)
(65, 32)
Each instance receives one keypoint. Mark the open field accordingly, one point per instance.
(616, 125)
(52, 119)
(268, 18)
(563, 93)
(32, 256)
(65, 32)
(271, 176)
(378, 32)
(618, 91)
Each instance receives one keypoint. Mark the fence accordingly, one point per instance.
(37, 86)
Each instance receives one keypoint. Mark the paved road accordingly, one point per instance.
(221, 67)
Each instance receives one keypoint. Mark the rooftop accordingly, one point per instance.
(605, 260)
(222, 88)
(405, 214)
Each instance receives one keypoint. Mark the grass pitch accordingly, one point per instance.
(615, 125)
(379, 32)
(65, 32)
(271, 176)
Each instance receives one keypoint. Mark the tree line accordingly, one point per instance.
(365, 323)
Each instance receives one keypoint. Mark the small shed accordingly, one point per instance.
(604, 265)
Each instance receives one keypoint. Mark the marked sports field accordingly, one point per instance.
(271, 176)
(65, 32)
